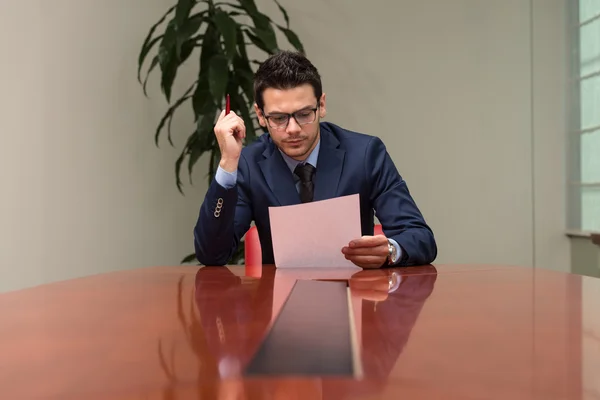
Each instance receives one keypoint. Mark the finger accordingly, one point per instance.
(382, 284)
(381, 250)
(369, 276)
(239, 129)
(221, 116)
(370, 294)
(367, 261)
(369, 241)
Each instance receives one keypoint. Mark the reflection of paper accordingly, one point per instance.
(313, 234)
(285, 278)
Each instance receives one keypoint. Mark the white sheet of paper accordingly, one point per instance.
(311, 235)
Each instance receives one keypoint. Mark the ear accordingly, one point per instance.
(261, 117)
(322, 106)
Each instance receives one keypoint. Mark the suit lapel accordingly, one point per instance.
(279, 177)
(329, 166)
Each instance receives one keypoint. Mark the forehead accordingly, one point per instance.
(289, 100)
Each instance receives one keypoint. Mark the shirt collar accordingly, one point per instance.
(311, 159)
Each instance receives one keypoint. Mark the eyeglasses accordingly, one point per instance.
(302, 117)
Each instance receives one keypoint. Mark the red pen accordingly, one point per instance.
(227, 105)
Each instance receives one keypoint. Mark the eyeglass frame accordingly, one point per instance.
(290, 115)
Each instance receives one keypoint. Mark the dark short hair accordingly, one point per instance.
(285, 70)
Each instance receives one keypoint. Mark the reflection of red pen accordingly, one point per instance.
(227, 105)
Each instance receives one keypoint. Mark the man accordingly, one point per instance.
(302, 159)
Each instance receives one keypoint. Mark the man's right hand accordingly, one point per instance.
(230, 131)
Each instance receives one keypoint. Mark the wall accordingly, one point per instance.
(585, 257)
(84, 189)
(550, 107)
(590, 338)
(473, 118)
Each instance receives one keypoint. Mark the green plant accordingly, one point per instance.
(223, 32)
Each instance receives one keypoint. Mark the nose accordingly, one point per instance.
(293, 127)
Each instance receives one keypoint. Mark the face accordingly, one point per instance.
(296, 141)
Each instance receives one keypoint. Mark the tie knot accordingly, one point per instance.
(305, 172)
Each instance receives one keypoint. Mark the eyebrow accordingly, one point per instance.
(281, 112)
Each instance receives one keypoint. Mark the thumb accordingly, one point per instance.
(369, 241)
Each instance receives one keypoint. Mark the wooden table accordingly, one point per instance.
(447, 332)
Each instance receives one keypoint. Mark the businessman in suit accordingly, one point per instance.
(302, 159)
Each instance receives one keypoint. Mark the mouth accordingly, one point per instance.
(295, 141)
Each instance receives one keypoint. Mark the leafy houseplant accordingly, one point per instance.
(223, 32)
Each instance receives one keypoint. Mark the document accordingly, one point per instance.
(312, 235)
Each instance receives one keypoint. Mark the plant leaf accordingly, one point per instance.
(206, 140)
(249, 6)
(239, 104)
(171, 110)
(257, 42)
(238, 255)
(167, 59)
(267, 36)
(202, 101)
(189, 258)
(262, 25)
(189, 29)
(184, 153)
(152, 66)
(143, 50)
(195, 154)
(215, 156)
(182, 11)
(210, 47)
(186, 50)
(292, 38)
(285, 14)
(227, 26)
(218, 76)
(243, 69)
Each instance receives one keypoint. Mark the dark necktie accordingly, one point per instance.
(307, 187)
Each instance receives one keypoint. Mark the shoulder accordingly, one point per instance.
(255, 150)
(352, 140)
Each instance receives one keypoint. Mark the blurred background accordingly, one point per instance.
(489, 108)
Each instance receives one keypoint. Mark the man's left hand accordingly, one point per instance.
(368, 251)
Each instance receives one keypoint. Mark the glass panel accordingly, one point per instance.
(590, 157)
(590, 208)
(589, 46)
(590, 102)
(588, 8)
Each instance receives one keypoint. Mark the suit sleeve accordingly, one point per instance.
(395, 208)
(224, 218)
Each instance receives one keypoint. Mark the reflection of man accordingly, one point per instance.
(233, 315)
(302, 159)
(390, 308)
(386, 325)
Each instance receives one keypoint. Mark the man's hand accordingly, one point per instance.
(371, 284)
(230, 131)
(368, 251)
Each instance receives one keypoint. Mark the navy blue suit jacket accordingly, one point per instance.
(349, 163)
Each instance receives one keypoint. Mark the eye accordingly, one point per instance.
(278, 119)
(304, 114)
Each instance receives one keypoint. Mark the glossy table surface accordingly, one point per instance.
(446, 332)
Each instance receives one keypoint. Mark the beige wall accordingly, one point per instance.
(550, 104)
(591, 338)
(84, 189)
(585, 257)
(472, 117)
